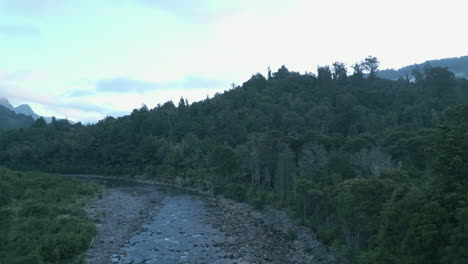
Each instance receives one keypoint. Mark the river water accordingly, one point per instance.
(174, 229)
(179, 233)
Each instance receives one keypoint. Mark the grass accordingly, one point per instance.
(42, 220)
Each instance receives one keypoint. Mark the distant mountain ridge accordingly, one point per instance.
(457, 65)
(23, 109)
(6, 103)
(12, 120)
(26, 110)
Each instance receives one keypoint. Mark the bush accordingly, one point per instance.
(45, 224)
(235, 191)
(258, 199)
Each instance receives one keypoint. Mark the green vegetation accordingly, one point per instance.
(41, 218)
(378, 168)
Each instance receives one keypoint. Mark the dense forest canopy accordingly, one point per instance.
(377, 167)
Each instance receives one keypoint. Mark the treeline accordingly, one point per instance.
(459, 66)
(41, 218)
(376, 167)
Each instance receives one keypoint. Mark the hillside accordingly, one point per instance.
(374, 166)
(23, 109)
(459, 66)
(11, 120)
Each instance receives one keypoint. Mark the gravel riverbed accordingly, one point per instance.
(151, 224)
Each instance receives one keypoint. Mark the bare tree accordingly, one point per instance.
(313, 157)
(372, 162)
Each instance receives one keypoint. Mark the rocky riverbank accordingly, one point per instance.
(118, 214)
(265, 236)
(145, 224)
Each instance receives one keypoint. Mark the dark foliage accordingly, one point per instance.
(376, 167)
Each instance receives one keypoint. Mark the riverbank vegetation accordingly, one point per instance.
(378, 168)
(42, 219)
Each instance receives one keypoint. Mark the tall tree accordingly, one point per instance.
(371, 65)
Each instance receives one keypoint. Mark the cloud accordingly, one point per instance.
(194, 82)
(33, 7)
(22, 76)
(20, 94)
(49, 105)
(81, 93)
(125, 85)
(128, 85)
(200, 11)
(79, 105)
(19, 30)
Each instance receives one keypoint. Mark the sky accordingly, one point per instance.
(88, 59)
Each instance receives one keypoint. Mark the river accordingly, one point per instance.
(146, 223)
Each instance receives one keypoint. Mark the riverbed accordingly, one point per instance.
(145, 223)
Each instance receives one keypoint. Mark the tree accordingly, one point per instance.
(359, 202)
(285, 173)
(439, 80)
(371, 65)
(417, 74)
(182, 106)
(320, 117)
(282, 73)
(457, 250)
(40, 123)
(358, 70)
(225, 162)
(371, 162)
(303, 187)
(314, 158)
(450, 151)
(339, 71)
(426, 235)
(324, 74)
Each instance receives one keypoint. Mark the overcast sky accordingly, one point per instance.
(88, 59)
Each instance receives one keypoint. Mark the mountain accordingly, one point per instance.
(458, 65)
(23, 109)
(11, 120)
(6, 103)
(26, 110)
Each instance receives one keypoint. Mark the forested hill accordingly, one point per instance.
(12, 120)
(459, 66)
(378, 168)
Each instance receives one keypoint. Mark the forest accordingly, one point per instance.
(377, 168)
